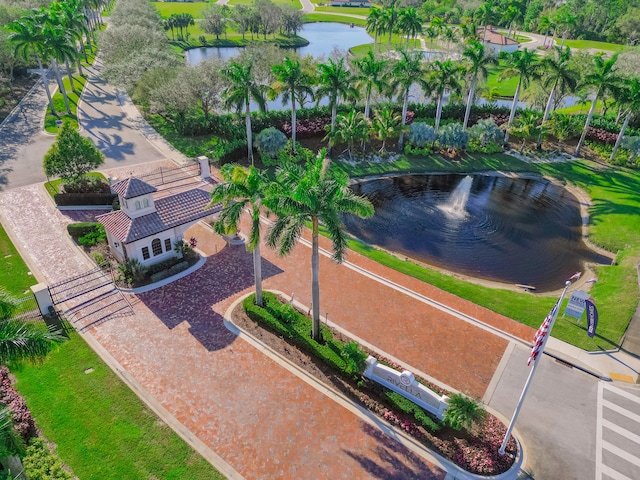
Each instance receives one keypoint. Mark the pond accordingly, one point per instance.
(509, 230)
(323, 38)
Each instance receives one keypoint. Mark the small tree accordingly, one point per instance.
(270, 141)
(71, 156)
(421, 134)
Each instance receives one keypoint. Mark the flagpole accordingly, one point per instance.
(507, 435)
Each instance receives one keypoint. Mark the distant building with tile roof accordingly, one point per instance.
(496, 41)
(146, 228)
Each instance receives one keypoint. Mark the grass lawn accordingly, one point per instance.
(320, 17)
(506, 87)
(166, 9)
(612, 47)
(14, 274)
(581, 108)
(58, 102)
(101, 428)
(292, 3)
(615, 225)
(383, 46)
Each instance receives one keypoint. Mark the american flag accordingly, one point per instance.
(542, 333)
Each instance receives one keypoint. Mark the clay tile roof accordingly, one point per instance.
(170, 212)
(495, 38)
(132, 187)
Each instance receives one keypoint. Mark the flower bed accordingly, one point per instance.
(474, 449)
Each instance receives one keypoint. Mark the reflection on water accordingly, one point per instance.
(521, 231)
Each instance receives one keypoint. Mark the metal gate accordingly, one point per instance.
(27, 309)
(163, 176)
(79, 285)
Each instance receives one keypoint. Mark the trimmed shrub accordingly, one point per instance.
(421, 134)
(70, 199)
(80, 229)
(96, 236)
(270, 141)
(40, 463)
(463, 412)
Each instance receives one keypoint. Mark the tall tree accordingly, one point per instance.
(510, 16)
(390, 21)
(242, 188)
(478, 59)
(485, 14)
(557, 74)
(370, 76)
(313, 193)
(444, 76)
(292, 83)
(405, 72)
(336, 82)
(523, 64)
(604, 79)
(409, 23)
(565, 21)
(630, 100)
(375, 24)
(241, 90)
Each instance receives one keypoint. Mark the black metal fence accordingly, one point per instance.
(162, 176)
(27, 309)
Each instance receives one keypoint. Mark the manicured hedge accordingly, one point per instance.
(80, 229)
(71, 199)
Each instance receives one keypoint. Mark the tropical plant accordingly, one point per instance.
(71, 156)
(478, 59)
(463, 412)
(11, 443)
(486, 131)
(557, 75)
(525, 65)
(409, 23)
(527, 126)
(390, 20)
(375, 24)
(354, 357)
(485, 14)
(510, 16)
(444, 76)
(565, 21)
(603, 79)
(131, 271)
(563, 126)
(313, 193)
(242, 188)
(405, 72)
(270, 141)
(386, 125)
(421, 134)
(370, 75)
(453, 136)
(631, 100)
(241, 89)
(336, 82)
(293, 83)
(350, 128)
(632, 144)
(544, 25)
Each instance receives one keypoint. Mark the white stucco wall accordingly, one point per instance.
(134, 249)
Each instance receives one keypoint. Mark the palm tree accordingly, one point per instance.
(386, 125)
(631, 100)
(410, 23)
(390, 20)
(522, 63)
(293, 82)
(510, 16)
(336, 82)
(370, 75)
(527, 126)
(375, 24)
(557, 74)
(27, 37)
(241, 90)
(242, 188)
(478, 59)
(350, 128)
(544, 25)
(565, 21)
(60, 47)
(485, 14)
(313, 193)
(444, 76)
(605, 79)
(432, 33)
(404, 73)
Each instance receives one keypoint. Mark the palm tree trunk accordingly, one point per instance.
(63, 90)
(621, 134)
(247, 121)
(70, 76)
(45, 82)
(546, 114)
(257, 273)
(586, 125)
(438, 113)
(79, 65)
(405, 105)
(315, 284)
(367, 105)
(544, 42)
(512, 115)
(334, 114)
(467, 113)
(293, 122)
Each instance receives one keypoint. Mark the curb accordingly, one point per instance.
(454, 472)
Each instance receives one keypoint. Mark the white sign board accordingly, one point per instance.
(576, 304)
(405, 384)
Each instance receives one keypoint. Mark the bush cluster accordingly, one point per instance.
(600, 135)
(87, 233)
(70, 199)
(41, 464)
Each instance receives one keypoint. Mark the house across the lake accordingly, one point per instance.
(496, 41)
(339, 3)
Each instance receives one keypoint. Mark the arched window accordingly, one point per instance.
(156, 247)
(137, 204)
(145, 202)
